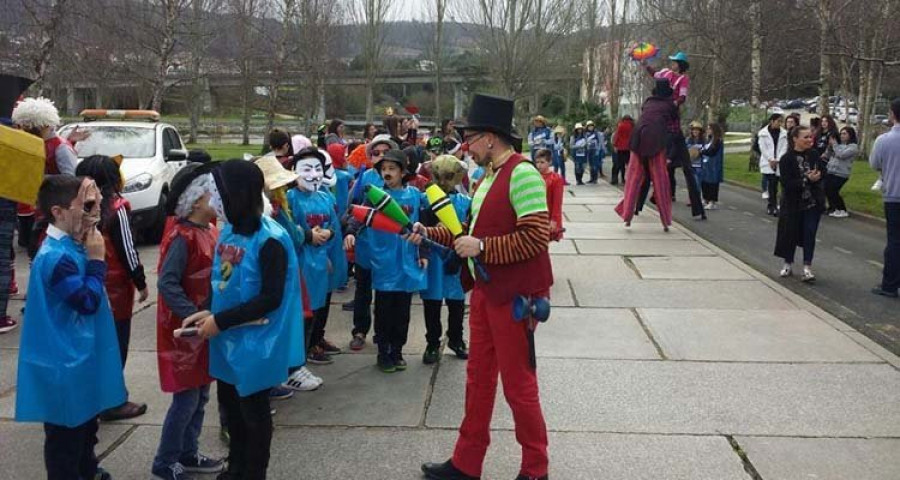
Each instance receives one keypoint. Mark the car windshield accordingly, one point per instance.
(130, 142)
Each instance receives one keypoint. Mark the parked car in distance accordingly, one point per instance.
(794, 104)
(153, 152)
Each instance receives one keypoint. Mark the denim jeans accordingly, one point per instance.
(580, 162)
(7, 229)
(182, 426)
(596, 163)
(559, 164)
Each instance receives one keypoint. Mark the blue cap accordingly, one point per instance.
(679, 57)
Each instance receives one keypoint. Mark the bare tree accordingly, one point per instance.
(46, 20)
(371, 16)
(200, 34)
(246, 32)
(316, 21)
(286, 12)
(756, 29)
(439, 12)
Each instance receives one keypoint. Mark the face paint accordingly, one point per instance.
(311, 173)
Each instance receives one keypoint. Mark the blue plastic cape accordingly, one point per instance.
(69, 364)
(441, 285)
(337, 278)
(363, 250)
(395, 262)
(316, 209)
(253, 357)
(298, 350)
(342, 191)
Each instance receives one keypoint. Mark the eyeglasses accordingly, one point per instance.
(379, 153)
(473, 138)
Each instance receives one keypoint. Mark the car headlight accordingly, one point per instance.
(138, 183)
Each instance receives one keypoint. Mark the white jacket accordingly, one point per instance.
(768, 150)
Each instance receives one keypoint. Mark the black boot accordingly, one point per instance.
(444, 471)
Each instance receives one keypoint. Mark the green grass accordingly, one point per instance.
(857, 192)
(225, 151)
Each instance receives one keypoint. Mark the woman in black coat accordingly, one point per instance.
(803, 201)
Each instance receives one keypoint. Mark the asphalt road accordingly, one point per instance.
(848, 259)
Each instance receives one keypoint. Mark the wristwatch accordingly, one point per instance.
(481, 245)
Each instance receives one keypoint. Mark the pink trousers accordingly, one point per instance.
(634, 180)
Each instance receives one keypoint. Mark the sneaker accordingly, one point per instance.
(330, 348)
(102, 474)
(386, 364)
(303, 381)
(765, 195)
(348, 306)
(785, 271)
(878, 185)
(7, 324)
(173, 472)
(399, 362)
(200, 463)
(808, 275)
(712, 206)
(358, 342)
(459, 348)
(884, 293)
(280, 393)
(431, 355)
(317, 356)
(841, 214)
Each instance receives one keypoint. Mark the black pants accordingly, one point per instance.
(391, 321)
(320, 319)
(250, 427)
(26, 225)
(890, 279)
(433, 327)
(772, 182)
(810, 221)
(833, 186)
(69, 452)
(620, 164)
(681, 159)
(123, 332)
(362, 301)
(710, 191)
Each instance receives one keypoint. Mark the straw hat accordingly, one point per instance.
(579, 125)
(560, 130)
(274, 174)
(540, 118)
(696, 124)
(590, 123)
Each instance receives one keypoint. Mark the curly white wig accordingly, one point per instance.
(35, 113)
(198, 187)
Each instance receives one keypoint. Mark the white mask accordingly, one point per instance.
(215, 202)
(311, 172)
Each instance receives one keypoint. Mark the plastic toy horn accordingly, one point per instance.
(443, 209)
(388, 206)
(379, 221)
(532, 310)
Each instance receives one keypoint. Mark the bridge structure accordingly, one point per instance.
(80, 94)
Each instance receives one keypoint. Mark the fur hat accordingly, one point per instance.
(36, 113)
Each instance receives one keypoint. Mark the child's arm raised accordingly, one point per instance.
(81, 292)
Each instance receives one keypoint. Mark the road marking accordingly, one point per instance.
(749, 214)
(843, 250)
(766, 220)
(877, 264)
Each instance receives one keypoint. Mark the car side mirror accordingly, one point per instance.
(177, 155)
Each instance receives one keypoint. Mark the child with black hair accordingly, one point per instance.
(280, 147)
(252, 325)
(398, 267)
(124, 270)
(68, 316)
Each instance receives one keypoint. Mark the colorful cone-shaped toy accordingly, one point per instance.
(375, 220)
(388, 206)
(443, 209)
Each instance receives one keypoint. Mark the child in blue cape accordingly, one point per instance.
(444, 285)
(254, 314)
(69, 364)
(398, 269)
(315, 212)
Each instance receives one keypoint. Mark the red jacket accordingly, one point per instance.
(119, 286)
(555, 192)
(184, 363)
(623, 135)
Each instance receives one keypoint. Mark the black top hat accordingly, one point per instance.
(489, 113)
(11, 87)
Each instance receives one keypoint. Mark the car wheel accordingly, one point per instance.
(155, 231)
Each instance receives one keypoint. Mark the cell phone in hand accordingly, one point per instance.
(186, 332)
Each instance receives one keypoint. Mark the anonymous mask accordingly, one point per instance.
(311, 173)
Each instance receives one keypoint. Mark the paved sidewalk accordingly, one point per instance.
(665, 358)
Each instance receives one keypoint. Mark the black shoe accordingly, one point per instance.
(431, 355)
(579, 182)
(102, 474)
(885, 293)
(444, 471)
(525, 477)
(348, 306)
(399, 362)
(459, 348)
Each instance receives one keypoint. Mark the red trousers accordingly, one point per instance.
(499, 345)
(634, 180)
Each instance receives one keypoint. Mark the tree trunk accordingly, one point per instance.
(440, 6)
(824, 15)
(49, 36)
(755, 61)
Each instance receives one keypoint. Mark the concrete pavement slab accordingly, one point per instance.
(607, 216)
(563, 247)
(356, 393)
(678, 294)
(689, 268)
(823, 458)
(608, 201)
(750, 336)
(566, 208)
(9, 366)
(699, 398)
(612, 231)
(23, 444)
(642, 247)
(133, 459)
(588, 269)
(593, 333)
(561, 293)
